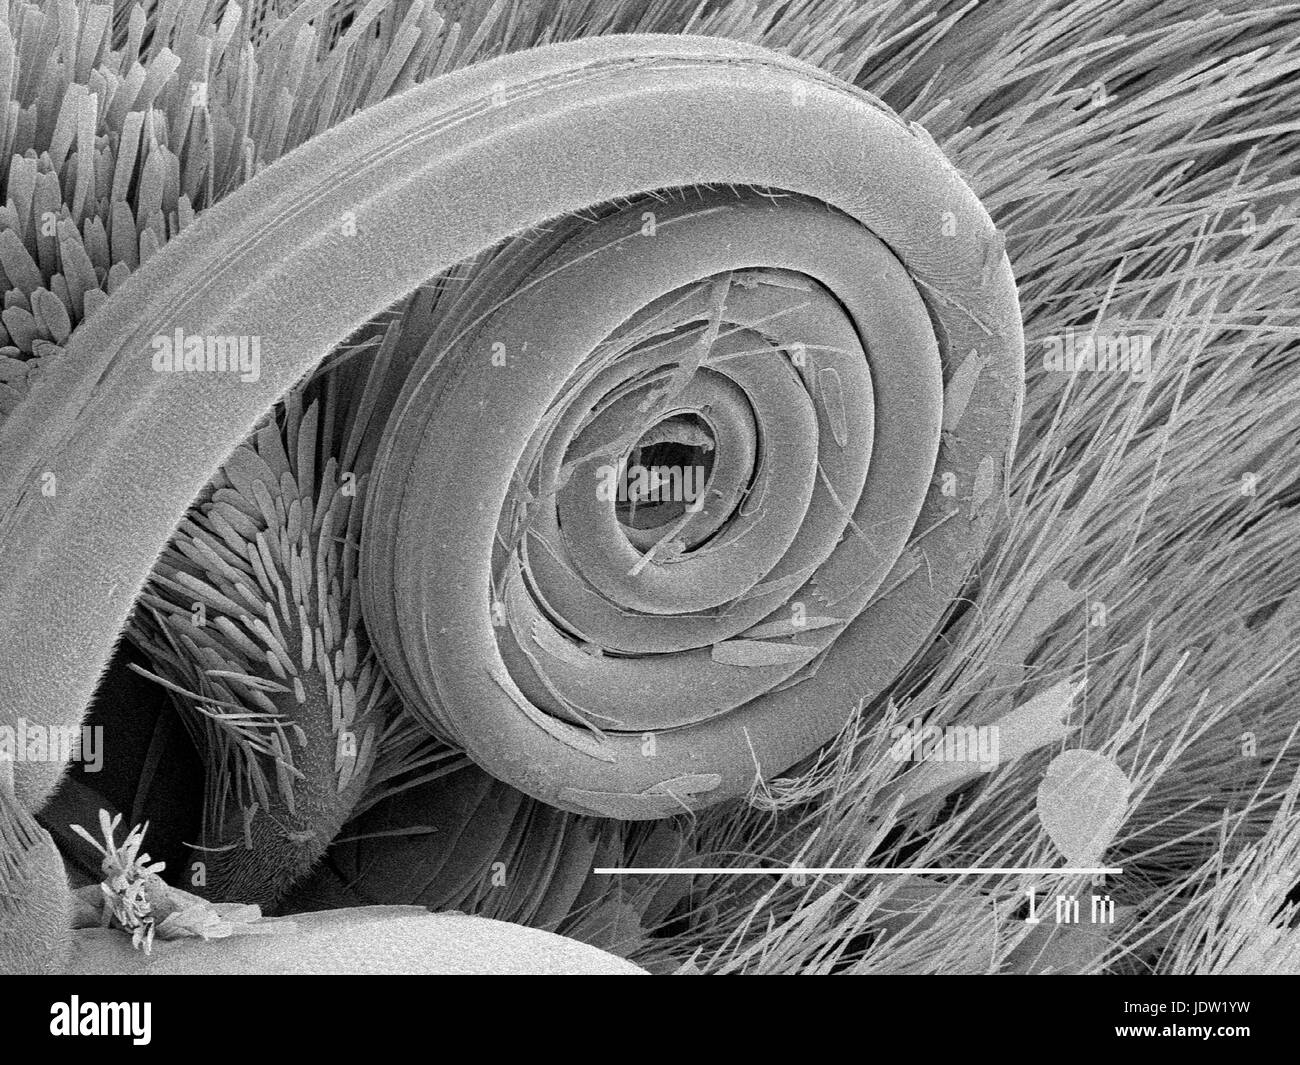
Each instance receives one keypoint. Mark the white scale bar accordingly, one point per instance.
(872, 871)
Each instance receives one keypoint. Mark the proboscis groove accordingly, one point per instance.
(433, 177)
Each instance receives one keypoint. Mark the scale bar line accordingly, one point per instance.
(865, 871)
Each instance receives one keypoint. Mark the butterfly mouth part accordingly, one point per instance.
(698, 458)
(736, 657)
